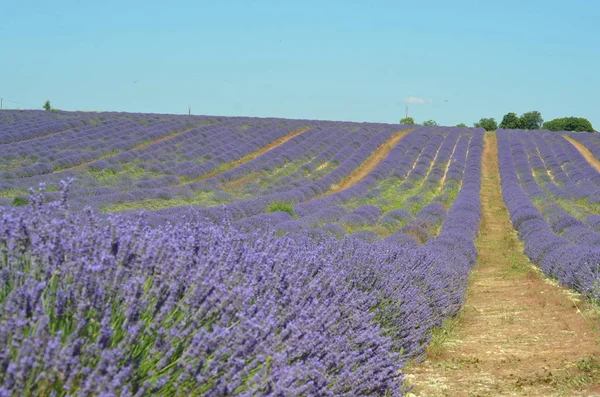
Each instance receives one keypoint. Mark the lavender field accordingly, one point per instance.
(147, 254)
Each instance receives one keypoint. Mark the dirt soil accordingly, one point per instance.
(369, 164)
(518, 334)
(43, 136)
(252, 156)
(138, 147)
(585, 153)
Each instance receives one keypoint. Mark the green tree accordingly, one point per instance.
(489, 124)
(531, 120)
(510, 121)
(407, 120)
(578, 124)
(47, 106)
(462, 125)
(429, 122)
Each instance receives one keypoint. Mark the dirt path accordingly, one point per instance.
(138, 147)
(518, 334)
(443, 180)
(369, 164)
(251, 156)
(35, 138)
(584, 152)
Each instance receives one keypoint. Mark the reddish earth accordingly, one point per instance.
(252, 156)
(43, 136)
(369, 164)
(138, 147)
(585, 153)
(518, 334)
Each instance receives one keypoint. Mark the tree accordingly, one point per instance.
(407, 120)
(578, 124)
(510, 121)
(462, 125)
(531, 120)
(489, 124)
(429, 122)
(47, 106)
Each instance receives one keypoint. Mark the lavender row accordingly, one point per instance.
(399, 159)
(569, 173)
(329, 143)
(590, 141)
(398, 162)
(320, 213)
(571, 229)
(18, 125)
(335, 218)
(414, 152)
(231, 144)
(565, 252)
(81, 145)
(214, 145)
(119, 308)
(346, 140)
(303, 315)
(567, 177)
(207, 148)
(107, 138)
(361, 149)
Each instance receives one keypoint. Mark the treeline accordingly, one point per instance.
(533, 121)
(527, 121)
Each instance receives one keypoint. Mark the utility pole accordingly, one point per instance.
(189, 110)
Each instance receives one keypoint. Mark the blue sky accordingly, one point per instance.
(336, 60)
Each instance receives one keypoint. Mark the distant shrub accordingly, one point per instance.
(510, 121)
(527, 121)
(281, 206)
(531, 120)
(489, 124)
(577, 124)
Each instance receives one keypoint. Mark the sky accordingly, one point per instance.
(449, 61)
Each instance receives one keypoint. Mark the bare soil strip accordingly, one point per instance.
(162, 139)
(548, 172)
(240, 182)
(443, 180)
(585, 153)
(369, 164)
(39, 137)
(138, 147)
(252, 156)
(518, 333)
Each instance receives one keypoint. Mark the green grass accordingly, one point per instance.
(20, 201)
(390, 198)
(10, 193)
(579, 208)
(111, 177)
(517, 269)
(443, 336)
(8, 164)
(281, 206)
(199, 198)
